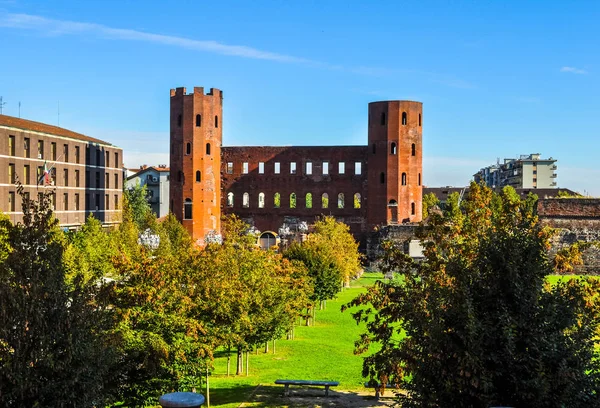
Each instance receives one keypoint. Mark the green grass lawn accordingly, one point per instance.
(320, 352)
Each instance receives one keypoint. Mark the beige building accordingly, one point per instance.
(528, 171)
(84, 174)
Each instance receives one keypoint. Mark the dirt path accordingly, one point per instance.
(304, 397)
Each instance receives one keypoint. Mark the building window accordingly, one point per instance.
(245, 168)
(229, 199)
(325, 200)
(382, 178)
(309, 168)
(535, 180)
(277, 168)
(535, 172)
(11, 146)
(107, 181)
(187, 209)
(65, 153)
(97, 179)
(293, 168)
(341, 167)
(357, 168)
(412, 208)
(198, 120)
(76, 201)
(188, 148)
(208, 149)
(403, 179)
(374, 148)
(419, 178)
(276, 200)
(66, 201)
(198, 176)
(116, 201)
(40, 149)
(383, 119)
(261, 168)
(107, 159)
(325, 168)
(341, 200)
(53, 200)
(11, 173)
(293, 200)
(66, 177)
(229, 167)
(76, 178)
(357, 200)
(106, 202)
(26, 174)
(413, 150)
(116, 185)
(76, 154)
(216, 121)
(261, 200)
(11, 201)
(246, 200)
(53, 151)
(393, 148)
(99, 160)
(419, 119)
(403, 118)
(179, 120)
(26, 147)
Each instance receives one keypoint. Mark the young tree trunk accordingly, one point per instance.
(228, 360)
(240, 361)
(207, 389)
(266, 347)
(273, 346)
(308, 316)
(247, 361)
(314, 314)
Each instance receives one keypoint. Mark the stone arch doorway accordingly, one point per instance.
(268, 239)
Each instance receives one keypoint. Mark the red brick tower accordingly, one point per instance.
(195, 179)
(394, 191)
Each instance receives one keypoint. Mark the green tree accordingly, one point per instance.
(52, 351)
(429, 202)
(136, 206)
(475, 324)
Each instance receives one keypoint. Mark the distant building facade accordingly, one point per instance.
(528, 171)
(156, 180)
(282, 188)
(85, 174)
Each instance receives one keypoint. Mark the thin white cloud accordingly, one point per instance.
(573, 70)
(49, 26)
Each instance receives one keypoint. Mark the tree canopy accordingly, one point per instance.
(475, 323)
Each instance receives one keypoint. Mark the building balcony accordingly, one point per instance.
(553, 167)
(553, 175)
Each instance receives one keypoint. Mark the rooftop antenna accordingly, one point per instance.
(19, 109)
(1, 105)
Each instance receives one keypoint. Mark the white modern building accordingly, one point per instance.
(528, 171)
(156, 180)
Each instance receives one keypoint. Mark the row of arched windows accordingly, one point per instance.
(308, 200)
(404, 119)
(198, 121)
(394, 149)
(188, 148)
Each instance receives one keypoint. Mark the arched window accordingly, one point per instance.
(188, 148)
(246, 200)
(198, 120)
(208, 149)
(419, 119)
(179, 121)
(276, 200)
(373, 148)
(403, 118)
(413, 149)
(403, 179)
(187, 209)
(357, 200)
(216, 121)
(308, 200)
(198, 176)
(419, 178)
(325, 200)
(383, 119)
(261, 200)
(229, 199)
(393, 211)
(382, 178)
(341, 200)
(293, 200)
(412, 208)
(393, 148)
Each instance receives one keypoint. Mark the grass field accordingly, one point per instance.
(320, 352)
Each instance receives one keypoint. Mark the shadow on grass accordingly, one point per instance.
(269, 396)
(235, 395)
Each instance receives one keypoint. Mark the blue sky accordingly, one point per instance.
(497, 79)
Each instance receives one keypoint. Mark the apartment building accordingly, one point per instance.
(528, 171)
(84, 174)
(156, 179)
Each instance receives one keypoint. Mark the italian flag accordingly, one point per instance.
(45, 178)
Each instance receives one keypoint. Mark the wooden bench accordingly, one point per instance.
(325, 384)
